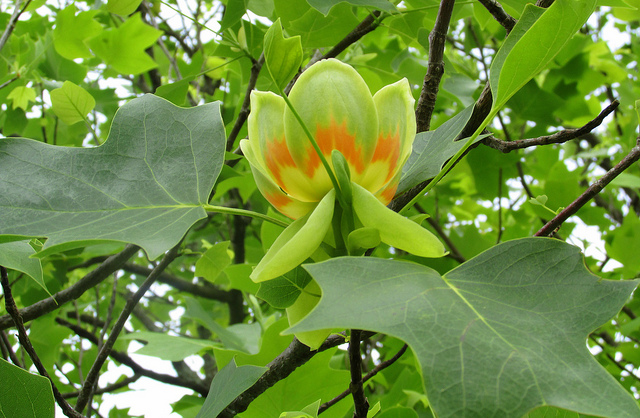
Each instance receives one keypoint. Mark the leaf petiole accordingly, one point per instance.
(244, 212)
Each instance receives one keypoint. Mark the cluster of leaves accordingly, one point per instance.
(145, 234)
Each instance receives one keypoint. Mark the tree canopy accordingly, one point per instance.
(345, 208)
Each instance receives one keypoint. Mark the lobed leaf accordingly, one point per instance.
(145, 185)
(497, 336)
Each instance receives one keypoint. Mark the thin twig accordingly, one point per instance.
(7, 344)
(246, 103)
(557, 138)
(124, 358)
(94, 373)
(435, 66)
(11, 25)
(12, 309)
(368, 376)
(505, 19)
(74, 291)
(108, 388)
(593, 190)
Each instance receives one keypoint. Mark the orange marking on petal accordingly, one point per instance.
(387, 195)
(276, 157)
(278, 200)
(334, 137)
(388, 149)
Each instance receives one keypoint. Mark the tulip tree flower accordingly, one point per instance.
(373, 134)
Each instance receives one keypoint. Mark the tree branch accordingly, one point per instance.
(355, 367)
(246, 103)
(435, 67)
(106, 389)
(12, 309)
(593, 190)
(92, 279)
(557, 138)
(94, 373)
(498, 13)
(368, 376)
(282, 366)
(124, 358)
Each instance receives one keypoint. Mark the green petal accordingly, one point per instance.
(307, 300)
(297, 242)
(270, 151)
(397, 130)
(395, 230)
(284, 203)
(336, 105)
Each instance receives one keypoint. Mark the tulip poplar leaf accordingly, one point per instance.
(502, 334)
(71, 103)
(124, 48)
(283, 56)
(432, 149)
(23, 394)
(226, 385)
(16, 255)
(72, 31)
(531, 45)
(145, 185)
(123, 7)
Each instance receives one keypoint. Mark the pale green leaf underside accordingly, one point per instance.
(23, 394)
(498, 336)
(145, 185)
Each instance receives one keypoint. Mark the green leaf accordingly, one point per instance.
(124, 48)
(536, 39)
(72, 32)
(21, 97)
(227, 384)
(213, 261)
(71, 103)
(626, 180)
(168, 347)
(23, 394)
(504, 332)
(123, 7)
(233, 338)
(282, 56)
(175, 92)
(325, 6)
(145, 185)
(17, 256)
(432, 149)
(283, 291)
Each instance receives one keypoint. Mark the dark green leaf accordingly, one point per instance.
(17, 256)
(432, 149)
(324, 6)
(502, 334)
(145, 185)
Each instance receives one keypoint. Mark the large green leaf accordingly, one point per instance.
(72, 31)
(536, 39)
(23, 394)
(145, 185)
(228, 383)
(498, 336)
(432, 149)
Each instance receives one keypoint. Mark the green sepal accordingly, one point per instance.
(282, 56)
(362, 239)
(297, 242)
(395, 229)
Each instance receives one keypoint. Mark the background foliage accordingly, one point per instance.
(74, 74)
